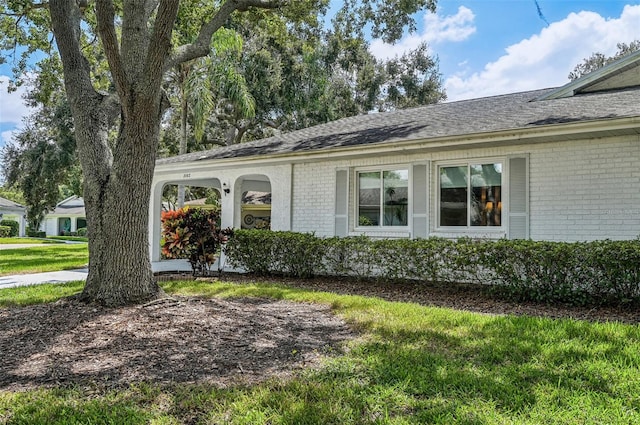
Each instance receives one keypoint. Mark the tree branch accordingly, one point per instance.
(112, 108)
(65, 19)
(160, 42)
(201, 46)
(149, 8)
(89, 120)
(105, 14)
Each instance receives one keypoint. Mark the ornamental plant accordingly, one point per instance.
(193, 234)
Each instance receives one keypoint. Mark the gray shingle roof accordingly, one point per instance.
(490, 114)
(5, 203)
(70, 206)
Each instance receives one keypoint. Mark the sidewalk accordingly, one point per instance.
(81, 274)
(38, 278)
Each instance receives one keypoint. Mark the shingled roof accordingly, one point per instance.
(517, 111)
(73, 205)
(7, 204)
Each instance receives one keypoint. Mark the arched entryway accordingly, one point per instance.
(203, 193)
(254, 201)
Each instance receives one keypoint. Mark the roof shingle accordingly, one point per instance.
(490, 114)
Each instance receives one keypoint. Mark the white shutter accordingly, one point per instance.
(342, 203)
(420, 213)
(518, 198)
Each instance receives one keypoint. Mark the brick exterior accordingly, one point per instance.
(579, 190)
(585, 190)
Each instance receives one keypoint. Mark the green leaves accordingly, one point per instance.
(580, 273)
(387, 19)
(42, 159)
(193, 234)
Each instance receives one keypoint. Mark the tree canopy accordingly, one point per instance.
(598, 60)
(296, 78)
(41, 162)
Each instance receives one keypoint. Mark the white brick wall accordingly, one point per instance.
(585, 190)
(579, 190)
(314, 198)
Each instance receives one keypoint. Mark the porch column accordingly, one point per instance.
(23, 225)
(281, 179)
(155, 210)
(228, 199)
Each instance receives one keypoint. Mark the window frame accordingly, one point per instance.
(469, 229)
(356, 196)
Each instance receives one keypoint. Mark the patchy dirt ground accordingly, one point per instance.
(221, 342)
(180, 340)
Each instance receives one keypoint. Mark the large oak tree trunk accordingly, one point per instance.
(118, 175)
(119, 263)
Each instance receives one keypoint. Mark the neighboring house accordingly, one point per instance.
(10, 210)
(553, 164)
(68, 216)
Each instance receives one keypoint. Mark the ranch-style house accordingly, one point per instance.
(559, 164)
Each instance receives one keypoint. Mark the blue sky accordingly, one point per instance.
(484, 47)
(488, 47)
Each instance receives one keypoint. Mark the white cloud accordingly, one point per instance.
(545, 59)
(12, 110)
(437, 29)
(6, 137)
(12, 107)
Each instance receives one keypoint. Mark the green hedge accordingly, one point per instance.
(36, 234)
(13, 225)
(579, 273)
(283, 253)
(5, 231)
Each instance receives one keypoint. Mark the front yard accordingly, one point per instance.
(43, 258)
(404, 363)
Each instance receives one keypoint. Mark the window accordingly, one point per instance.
(383, 198)
(471, 195)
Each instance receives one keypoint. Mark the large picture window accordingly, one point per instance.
(383, 198)
(471, 195)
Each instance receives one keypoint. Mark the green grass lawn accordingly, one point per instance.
(14, 241)
(412, 365)
(43, 258)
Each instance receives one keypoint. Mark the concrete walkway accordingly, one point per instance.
(80, 274)
(20, 245)
(39, 278)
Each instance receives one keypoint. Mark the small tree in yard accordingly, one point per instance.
(193, 234)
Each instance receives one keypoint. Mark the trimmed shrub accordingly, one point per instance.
(5, 231)
(36, 234)
(82, 231)
(577, 273)
(350, 256)
(282, 253)
(13, 225)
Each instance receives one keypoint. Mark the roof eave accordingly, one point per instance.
(621, 65)
(529, 135)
